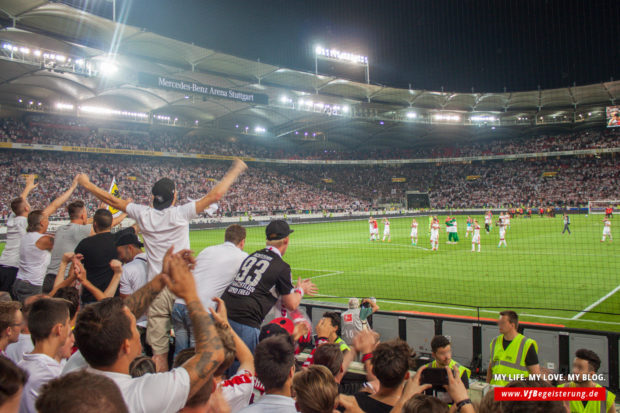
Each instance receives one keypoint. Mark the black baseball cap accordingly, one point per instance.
(163, 193)
(277, 230)
(129, 239)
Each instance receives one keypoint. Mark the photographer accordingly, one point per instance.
(355, 319)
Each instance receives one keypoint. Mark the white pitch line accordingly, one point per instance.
(327, 275)
(597, 302)
(496, 312)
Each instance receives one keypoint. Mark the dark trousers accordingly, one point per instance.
(566, 228)
(7, 278)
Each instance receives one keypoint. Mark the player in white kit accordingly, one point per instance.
(386, 230)
(607, 230)
(502, 233)
(374, 229)
(414, 232)
(475, 239)
(435, 234)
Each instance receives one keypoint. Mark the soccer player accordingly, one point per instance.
(607, 229)
(502, 233)
(386, 230)
(475, 239)
(469, 226)
(370, 228)
(435, 234)
(507, 219)
(488, 218)
(414, 232)
(374, 229)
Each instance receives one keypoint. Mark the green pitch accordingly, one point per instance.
(540, 269)
(546, 276)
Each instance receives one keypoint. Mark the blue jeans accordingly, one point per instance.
(249, 335)
(183, 331)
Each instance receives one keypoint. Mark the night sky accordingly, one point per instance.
(457, 44)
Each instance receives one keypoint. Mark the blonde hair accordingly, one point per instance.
(315, 389)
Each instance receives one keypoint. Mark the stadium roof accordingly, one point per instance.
(63, 29)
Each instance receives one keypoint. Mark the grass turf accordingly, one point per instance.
(548, 277)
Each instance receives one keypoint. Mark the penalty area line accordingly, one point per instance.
(596, 303)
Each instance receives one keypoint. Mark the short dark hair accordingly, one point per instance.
(531, 406)
(72, 295)
(235, 233)
(591, 357)
(102, 219)
(439, 342)
(34, 220)
(141, 365)
(81, 392)
(12, 378)
(330, 356)
(390, 362)
(100, 330)
(75, 209)
(423, 403)
(44, 314)
(512, 317)
(273, 359)
(334, 318)
(7, 313)
(17, 205)
(203, 394)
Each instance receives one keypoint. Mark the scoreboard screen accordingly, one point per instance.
(613, 116)
(417, 200)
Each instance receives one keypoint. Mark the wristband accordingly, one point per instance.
(321, 340)
(462, 403)
(366, 357)
(300, 291)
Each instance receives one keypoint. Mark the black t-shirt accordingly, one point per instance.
(531, 358)
(98, 251)
(370, 405)
(262, 278)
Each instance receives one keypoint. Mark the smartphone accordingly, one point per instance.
(434, 376)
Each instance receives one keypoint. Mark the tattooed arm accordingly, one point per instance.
(209, 351)
(141, 300)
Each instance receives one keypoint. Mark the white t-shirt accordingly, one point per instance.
(161, 229)
(133, 278)
(272, 403)
(160, 392)
(241, 390)
(76, 362)
(15, 351)
(216, 268)
(33, 261)
(15, 230)
(41, 368)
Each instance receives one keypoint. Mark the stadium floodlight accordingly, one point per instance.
(64, 106)
(336, 55)
(483, 118)
(452, 118)
(260, 129)
(346, 108)
(37, 53)
(411, 115)
(285, 99)
(108, 68)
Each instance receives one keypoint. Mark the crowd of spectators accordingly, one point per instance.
(566, 181)
(73, 132)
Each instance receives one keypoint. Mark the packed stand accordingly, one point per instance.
(75, 132)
